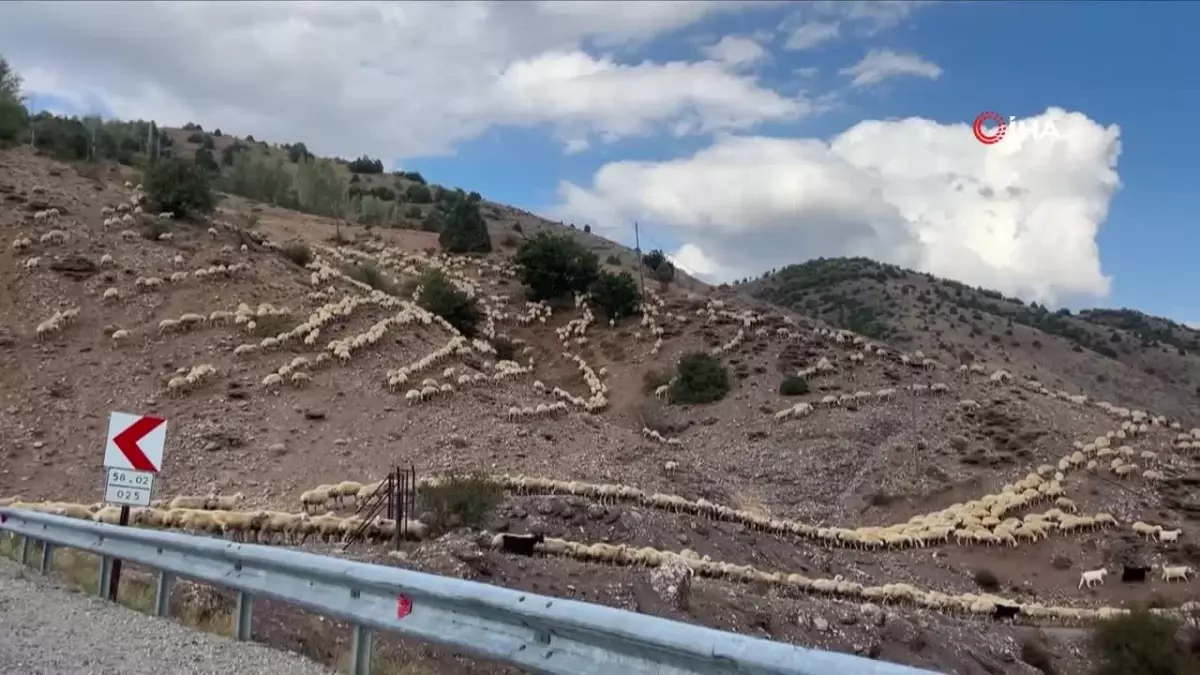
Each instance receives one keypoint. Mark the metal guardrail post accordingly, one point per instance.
(47, 557)
(361, 647)
(24, 549)
(245, 602)
(162, 594)
(105, 575)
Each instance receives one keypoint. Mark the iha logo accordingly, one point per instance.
(982, 135)
(991, 127)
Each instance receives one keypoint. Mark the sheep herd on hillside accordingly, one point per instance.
(991, 520)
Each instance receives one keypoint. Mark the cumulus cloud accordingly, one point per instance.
(882, 64)
(395, 79)
(813, 34)
(1020, 217)
(736, 51)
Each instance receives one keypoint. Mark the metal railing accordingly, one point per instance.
(537, 633)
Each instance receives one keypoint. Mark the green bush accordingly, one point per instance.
(370, 275)
(440, 296)
(298, 253)
(793, 386)
(463, 229)
(615, 294)
(418, 194)
(654, 258)
(613, 260)
(461, 500)
(665, 272)
(653, 379)
(1141, 643)
(553, 266)
(179, 186)
(701, 378)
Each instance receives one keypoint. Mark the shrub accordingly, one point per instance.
(987, 580)
(701, 378)
(365, 164)
(298, 253)
(153, 227)
(654, 258)
(554, 266)
(665, 272)
(793, 386)
(461, 500)
(1142, 643)
(370, 275)
(505, 349)
(270, 325)
(418, 194)
(653, 379)
(463, 228)
(174, 184)
(615, 294)
(1035, 653)
(613, 260)
(440, 296)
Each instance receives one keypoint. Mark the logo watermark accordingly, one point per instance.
(991, 127)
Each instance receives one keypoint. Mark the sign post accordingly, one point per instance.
(133, 455)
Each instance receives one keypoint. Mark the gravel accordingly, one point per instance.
(47, 628)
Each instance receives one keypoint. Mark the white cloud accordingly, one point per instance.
(1020, 217)
(881, 64)
(875, 15)
(694, 262)
(806, 72)
(810, 35)
(736, 51)
(391, 79)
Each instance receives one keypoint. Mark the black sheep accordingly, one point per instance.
(520, 544)
(1006, 612)
(1130, 573)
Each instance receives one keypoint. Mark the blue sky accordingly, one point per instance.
(1123, 63)
(1116, 63)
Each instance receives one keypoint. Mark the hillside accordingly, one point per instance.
(1124, 356)
(888, 520)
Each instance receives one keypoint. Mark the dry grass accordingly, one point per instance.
(82, 571)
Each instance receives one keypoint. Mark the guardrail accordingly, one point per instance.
(538, 633)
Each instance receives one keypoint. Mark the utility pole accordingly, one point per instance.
(637, 241)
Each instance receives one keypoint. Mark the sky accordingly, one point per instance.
(741, 136)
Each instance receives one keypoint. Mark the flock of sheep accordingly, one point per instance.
(987, 521)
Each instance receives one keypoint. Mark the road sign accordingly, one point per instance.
(135, 442)
(128, 488)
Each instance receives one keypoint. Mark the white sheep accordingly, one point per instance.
(1093, 577)
(1180, 572)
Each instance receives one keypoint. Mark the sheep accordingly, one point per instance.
(1092, 577)
(1169, 535)
(1177, 572)
(519, 544)
(272, 382)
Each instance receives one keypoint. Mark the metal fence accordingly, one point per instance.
(536, 633)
